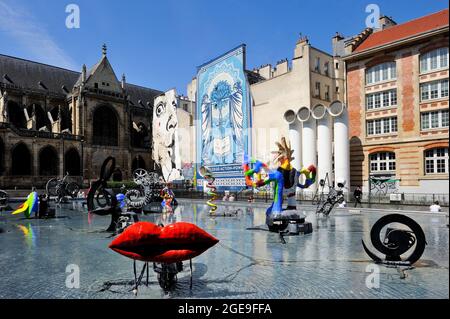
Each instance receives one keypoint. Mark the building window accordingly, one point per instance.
(434, 90)
(317, 90)
(381, 72)
(317, 66)
(435, 119)
(337, 65)
(325, 68)
(434, 60)
(382, 126)
(382, 162)
(436, 161)
(381, 99)
(105, 126)
(327, 92)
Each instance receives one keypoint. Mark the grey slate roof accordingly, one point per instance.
(27, 74)
(144, 94)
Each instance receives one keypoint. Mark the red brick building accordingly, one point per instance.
(398, 104)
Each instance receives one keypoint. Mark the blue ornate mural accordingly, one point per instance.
(223, 118)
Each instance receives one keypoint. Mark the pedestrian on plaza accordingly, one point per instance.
(357, 194)
(435, 208)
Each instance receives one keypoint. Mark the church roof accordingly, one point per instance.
(27, 75)
(139, 93)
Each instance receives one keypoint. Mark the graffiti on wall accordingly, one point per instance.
(166, 152)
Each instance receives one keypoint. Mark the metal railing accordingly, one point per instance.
(419, 199)
(40, 134)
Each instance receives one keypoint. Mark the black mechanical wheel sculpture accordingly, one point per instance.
(396, 241)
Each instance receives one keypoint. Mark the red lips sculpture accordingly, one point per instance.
(148, 242)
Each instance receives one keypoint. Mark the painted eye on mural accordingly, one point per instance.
(160, 109)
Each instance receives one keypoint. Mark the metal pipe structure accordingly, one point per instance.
(324, 143)
(309, 143)
(295, 137)
(341, 143)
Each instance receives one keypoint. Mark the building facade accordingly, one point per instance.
(397, 97)
(54, 121)
(293, 99)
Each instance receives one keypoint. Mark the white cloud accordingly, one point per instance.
(21, 26)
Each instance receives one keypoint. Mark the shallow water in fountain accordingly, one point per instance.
(329, 263)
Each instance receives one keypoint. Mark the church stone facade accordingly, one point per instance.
(55, 121)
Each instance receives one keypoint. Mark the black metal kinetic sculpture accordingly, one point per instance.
(326, 202)
(100, 200)
(396, 241)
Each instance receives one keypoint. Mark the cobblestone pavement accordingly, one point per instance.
(329, 263)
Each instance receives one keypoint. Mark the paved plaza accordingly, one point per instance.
(329, 263)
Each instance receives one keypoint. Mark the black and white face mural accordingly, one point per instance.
(166, 153)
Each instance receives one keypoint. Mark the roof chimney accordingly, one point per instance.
(385, 22)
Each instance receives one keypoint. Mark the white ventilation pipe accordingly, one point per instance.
(341, 144)
(324, 143)
(295, 137)
(309, 146)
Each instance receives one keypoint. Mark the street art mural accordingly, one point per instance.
(223, 114)
(166, 152)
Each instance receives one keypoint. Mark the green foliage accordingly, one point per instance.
(128, 184)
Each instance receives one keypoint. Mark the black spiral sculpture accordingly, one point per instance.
(396, 242)
(101, 201)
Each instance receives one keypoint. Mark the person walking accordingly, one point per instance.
(357, 194)
(435, 208)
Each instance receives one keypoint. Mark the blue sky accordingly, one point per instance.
(159, 43)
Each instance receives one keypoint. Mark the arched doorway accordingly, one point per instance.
(72, 162)
(2, 156)
(48, 161)
(105, 126)
(20, 160)
(138, 162)
(16, 115)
